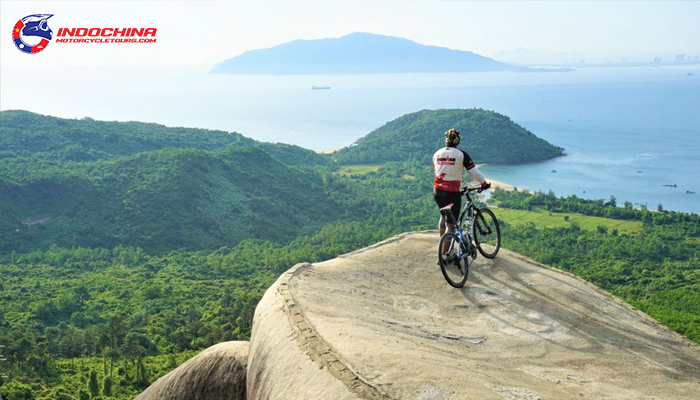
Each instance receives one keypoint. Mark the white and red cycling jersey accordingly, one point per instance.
(449, 164)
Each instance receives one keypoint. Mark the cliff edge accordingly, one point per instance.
(381, 323)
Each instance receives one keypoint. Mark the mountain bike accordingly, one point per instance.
(476, 230)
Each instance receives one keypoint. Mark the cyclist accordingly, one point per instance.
(449, 164)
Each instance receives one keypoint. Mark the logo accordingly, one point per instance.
(106, 35)
(37, 25)
(32, 25)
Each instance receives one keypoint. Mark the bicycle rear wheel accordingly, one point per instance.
(454, 269)
(487, 233)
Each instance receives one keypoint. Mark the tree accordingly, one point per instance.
(58, 393)
(115, 327)
(93, 387)
(172, 362)
(613, 201)
(660, 208)
(70, 342)
(104, 360)
(136, 345)
(16, 391)
(112, 354)
(107, 386)
(141, 375)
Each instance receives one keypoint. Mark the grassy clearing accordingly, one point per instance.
(360, 169)
(546, 219)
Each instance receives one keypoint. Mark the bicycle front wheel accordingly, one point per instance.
(487, 233)
(454, 269)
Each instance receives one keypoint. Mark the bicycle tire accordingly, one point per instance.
(485, 226)
(455, 271)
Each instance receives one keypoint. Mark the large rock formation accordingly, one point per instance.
(217, 373)
(381, 323)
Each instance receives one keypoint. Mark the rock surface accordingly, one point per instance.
(217, 373)
(382, 323)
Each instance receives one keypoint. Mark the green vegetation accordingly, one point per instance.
(293, 155)
(353, 170)
(150, 257)
(67, 308)
(493, 137)
(160, 200)
(25, 134)
(544, 219)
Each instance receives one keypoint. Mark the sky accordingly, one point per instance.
(203, 33)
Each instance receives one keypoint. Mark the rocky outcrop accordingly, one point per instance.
(217, 373)
(381, 323)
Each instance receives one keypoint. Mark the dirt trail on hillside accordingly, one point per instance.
(384, 322)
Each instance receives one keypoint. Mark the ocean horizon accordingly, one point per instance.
(628, 132)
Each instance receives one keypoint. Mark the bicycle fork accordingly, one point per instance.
(471, 249)
(462, 240)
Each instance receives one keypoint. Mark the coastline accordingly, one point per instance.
(503, 185)
(506, 186)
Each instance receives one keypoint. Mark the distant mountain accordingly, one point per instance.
(357, 53)
(487, 136)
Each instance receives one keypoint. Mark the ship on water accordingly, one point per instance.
(314, 87)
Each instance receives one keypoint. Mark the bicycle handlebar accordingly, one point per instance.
(466, 189)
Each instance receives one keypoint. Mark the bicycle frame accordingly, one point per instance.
(467, 210)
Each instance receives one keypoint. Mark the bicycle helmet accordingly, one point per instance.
(452, 137)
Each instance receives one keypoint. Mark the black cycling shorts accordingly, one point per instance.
(443, 198)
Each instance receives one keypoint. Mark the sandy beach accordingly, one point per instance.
(501, 185)
(505, 186)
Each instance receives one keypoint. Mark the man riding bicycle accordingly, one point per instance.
(449, 163)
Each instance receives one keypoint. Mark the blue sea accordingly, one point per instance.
(627, 132)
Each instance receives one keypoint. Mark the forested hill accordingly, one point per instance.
(160, 200)
(488, 137)
(71, 182)
(26, 134)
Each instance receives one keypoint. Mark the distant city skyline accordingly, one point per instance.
(203, 33)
